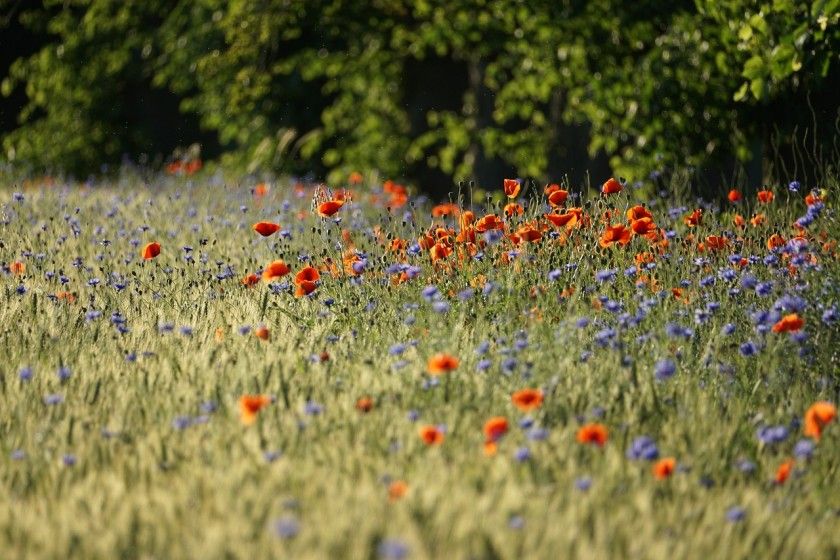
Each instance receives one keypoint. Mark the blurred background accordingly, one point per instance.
(427, 91)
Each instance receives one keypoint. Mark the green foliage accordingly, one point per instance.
(328, 86)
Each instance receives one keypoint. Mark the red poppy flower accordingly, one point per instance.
(789, 323)
(18, 268)
(817, 417)
(489, 222)
(611, 186)
(364, 404)
(734, 196)
(638, 212)
(262, 333)
(431, 435)
(275, 269)
(775, 241)
(307, 274)
(615, 234)
(664, 468)
(495, 428)
(250, 280)
(329, 208)
(512, 187)
(151, 250)
(304, 288)
(527, 399)
(593, 433)
(266, 228)
(558, 197)
(783, 472)
(766, 197)
(694, 218)
(442, 363)
(250, 405)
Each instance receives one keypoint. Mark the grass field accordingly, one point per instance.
(146, 413)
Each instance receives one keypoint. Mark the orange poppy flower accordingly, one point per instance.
(266, 228)
(615, 234)
(442, 363)
(817, 417)
(307, 274)
(355, 178)
(766, 196)
(219, 335)
(495, 428)
(397, 489)
(643, 226)
(783, 472)
(558, 197)
(789, 323)
(638, 212)
(529, 233)
(593, 433)
(446, 209)
(275, 269)
(440, 251)
(69, 297)
(513, 209)
(17, 268)
(489, 222)
(151, 250)
(527, 399)
(512, 187)
(716, 242)
(490, 448)
(811, 199)
(553, 187)
(664, 468)
(329, 208)
(304, 288)
(250, 280)
(694, 218)
(775, 241)
(611, 187)
(262, 333)
(734, 196)
(431, 435)
(261, 189)
(569, 219)
(758, 219)
(467, 219)
(364, 404)
(250, 405)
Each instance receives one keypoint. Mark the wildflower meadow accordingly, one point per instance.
(195, 366)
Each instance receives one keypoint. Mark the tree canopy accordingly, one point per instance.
(428, 90)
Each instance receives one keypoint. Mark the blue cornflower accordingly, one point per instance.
(441, 306)
(186, 330)
(582, 323)
(397, 349)
(53, 399)
(522, 454)
(728, 329)
(606, 275)
(794, 186)
(311, 408)
(771, 435)
(748, 348)
(483, 365)
(466, 294)
(25, 373)
(68, 460)
(583, 483)
(643, 448)
(665, 369)
(64, 373)
(429, 293)
(516, 522)
(392, 549)
(804, 449)
(286, 527)
(555, 274)
(735, 514)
